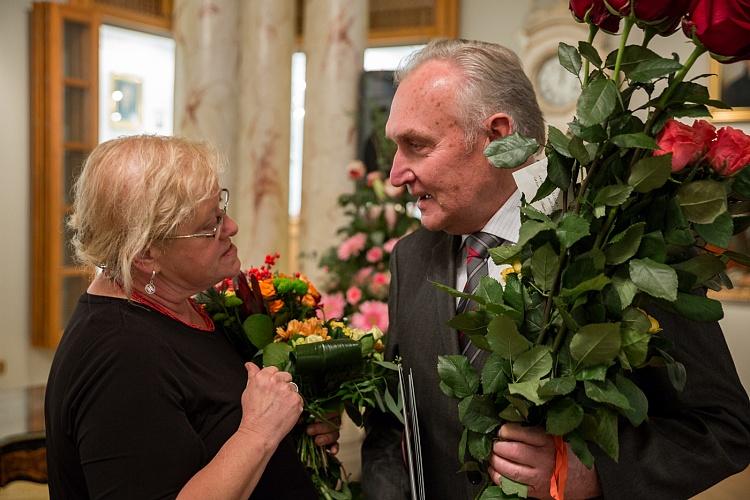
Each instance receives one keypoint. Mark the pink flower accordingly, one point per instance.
(687, 144)
(375, 254)
(353, 295)
(371, 313)
(332, 306)
(382, 278)
(361, 276)
(351, 246)
(388, 245)
(372, 177)
(374, 212)
(730, 153)
(379, 284)
(391, 217)
(356, 170)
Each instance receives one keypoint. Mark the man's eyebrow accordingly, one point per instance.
(412, 134)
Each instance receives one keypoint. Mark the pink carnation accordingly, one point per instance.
(375, 254)
(361, 276)
(353, 295)
(351, 246)
(332, 306)
(379, 284)
(388, 245)
(371, 313)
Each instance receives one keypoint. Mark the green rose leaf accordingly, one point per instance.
(579, 151)
(569, 58)
(605, 392)
(589, 52)
(478, 414)
(698, 307)
(572, 228)
(635, 346)
(597, 372)
(596, 283)
(558, 386)
(646, 71)
(528, 390)
(638, 403)
(581, 449)
(650, 173)
(495, 493)
(563, 416)
(597, 102)
(259, 329)
(490, 290)
(558, 170)
(528, 230)
(513, 294)
(511, 488)
(532, 213)
(719, 232)
(544, 265)
(632, 56)
(510, 151)
(458, 375)
(635, 140)
(469, 322)
(635, 320)
(702, 201)
(625, 289)
(625, 244)
(533, 364)
(480, 445)
(494, 374)
(613, 196)
(653, 247)
(595, 343)
(504, 339)
(741, 183)
(657, 280)
(559, 141)
(505, 254)
(605, 433)
(700, 269)
(276, 354)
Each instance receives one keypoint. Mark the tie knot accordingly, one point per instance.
(478, 245)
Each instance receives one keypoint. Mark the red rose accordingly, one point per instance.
(731, 151)
(596, 13)
(687, 144)
(662, 15)
(722, 26)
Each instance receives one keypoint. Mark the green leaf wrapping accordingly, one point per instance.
(325, 357)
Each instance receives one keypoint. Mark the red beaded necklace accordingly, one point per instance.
(207, 326)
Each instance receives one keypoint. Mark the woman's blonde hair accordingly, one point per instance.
(135, 191)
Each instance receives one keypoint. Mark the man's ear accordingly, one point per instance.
(499, 125)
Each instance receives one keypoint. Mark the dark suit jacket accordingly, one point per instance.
(692, 439)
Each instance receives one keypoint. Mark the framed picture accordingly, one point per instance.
(126, 97)
(732, 85)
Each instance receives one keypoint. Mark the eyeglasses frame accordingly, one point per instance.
(217, 228)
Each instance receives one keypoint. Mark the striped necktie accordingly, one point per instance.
(477, 250)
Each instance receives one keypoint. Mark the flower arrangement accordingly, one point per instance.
(380, 214)
(646, 208)
(271, 318)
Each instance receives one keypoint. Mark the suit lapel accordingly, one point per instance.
(442, 269)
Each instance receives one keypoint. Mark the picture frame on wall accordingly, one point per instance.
(126, 97)
(732, 86)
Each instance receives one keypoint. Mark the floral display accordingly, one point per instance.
(272, 319)
(379, 214)
(648, 199)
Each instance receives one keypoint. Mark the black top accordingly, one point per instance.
(137, 403)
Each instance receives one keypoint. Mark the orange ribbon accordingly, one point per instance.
(560, 474)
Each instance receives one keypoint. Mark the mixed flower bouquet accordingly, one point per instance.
(646, 208)
(272, 318)
(380, 214)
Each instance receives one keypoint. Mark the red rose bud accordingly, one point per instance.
(661, 15)
(687, 144)
(722, 26)
(730, 153)
(595, 12)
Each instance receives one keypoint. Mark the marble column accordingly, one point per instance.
(261, 174)
(335, 37)
(206, 73)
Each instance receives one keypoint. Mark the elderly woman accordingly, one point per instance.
(145, 398)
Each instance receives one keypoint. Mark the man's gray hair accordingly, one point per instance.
(495, 83)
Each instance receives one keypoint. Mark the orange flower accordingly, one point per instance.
(267, 289)
(275, 306)
(310, 326)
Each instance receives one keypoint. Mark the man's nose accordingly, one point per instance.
(400, 172)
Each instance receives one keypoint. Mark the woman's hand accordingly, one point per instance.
(527, 455)
(271, 405)
(326, 433)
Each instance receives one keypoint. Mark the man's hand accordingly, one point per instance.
(527, 455)
(326, 433)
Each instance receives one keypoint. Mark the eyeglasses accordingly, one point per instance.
(216, 231)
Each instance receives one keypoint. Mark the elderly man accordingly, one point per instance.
(454, 98)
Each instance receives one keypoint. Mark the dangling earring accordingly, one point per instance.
(151, 286)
